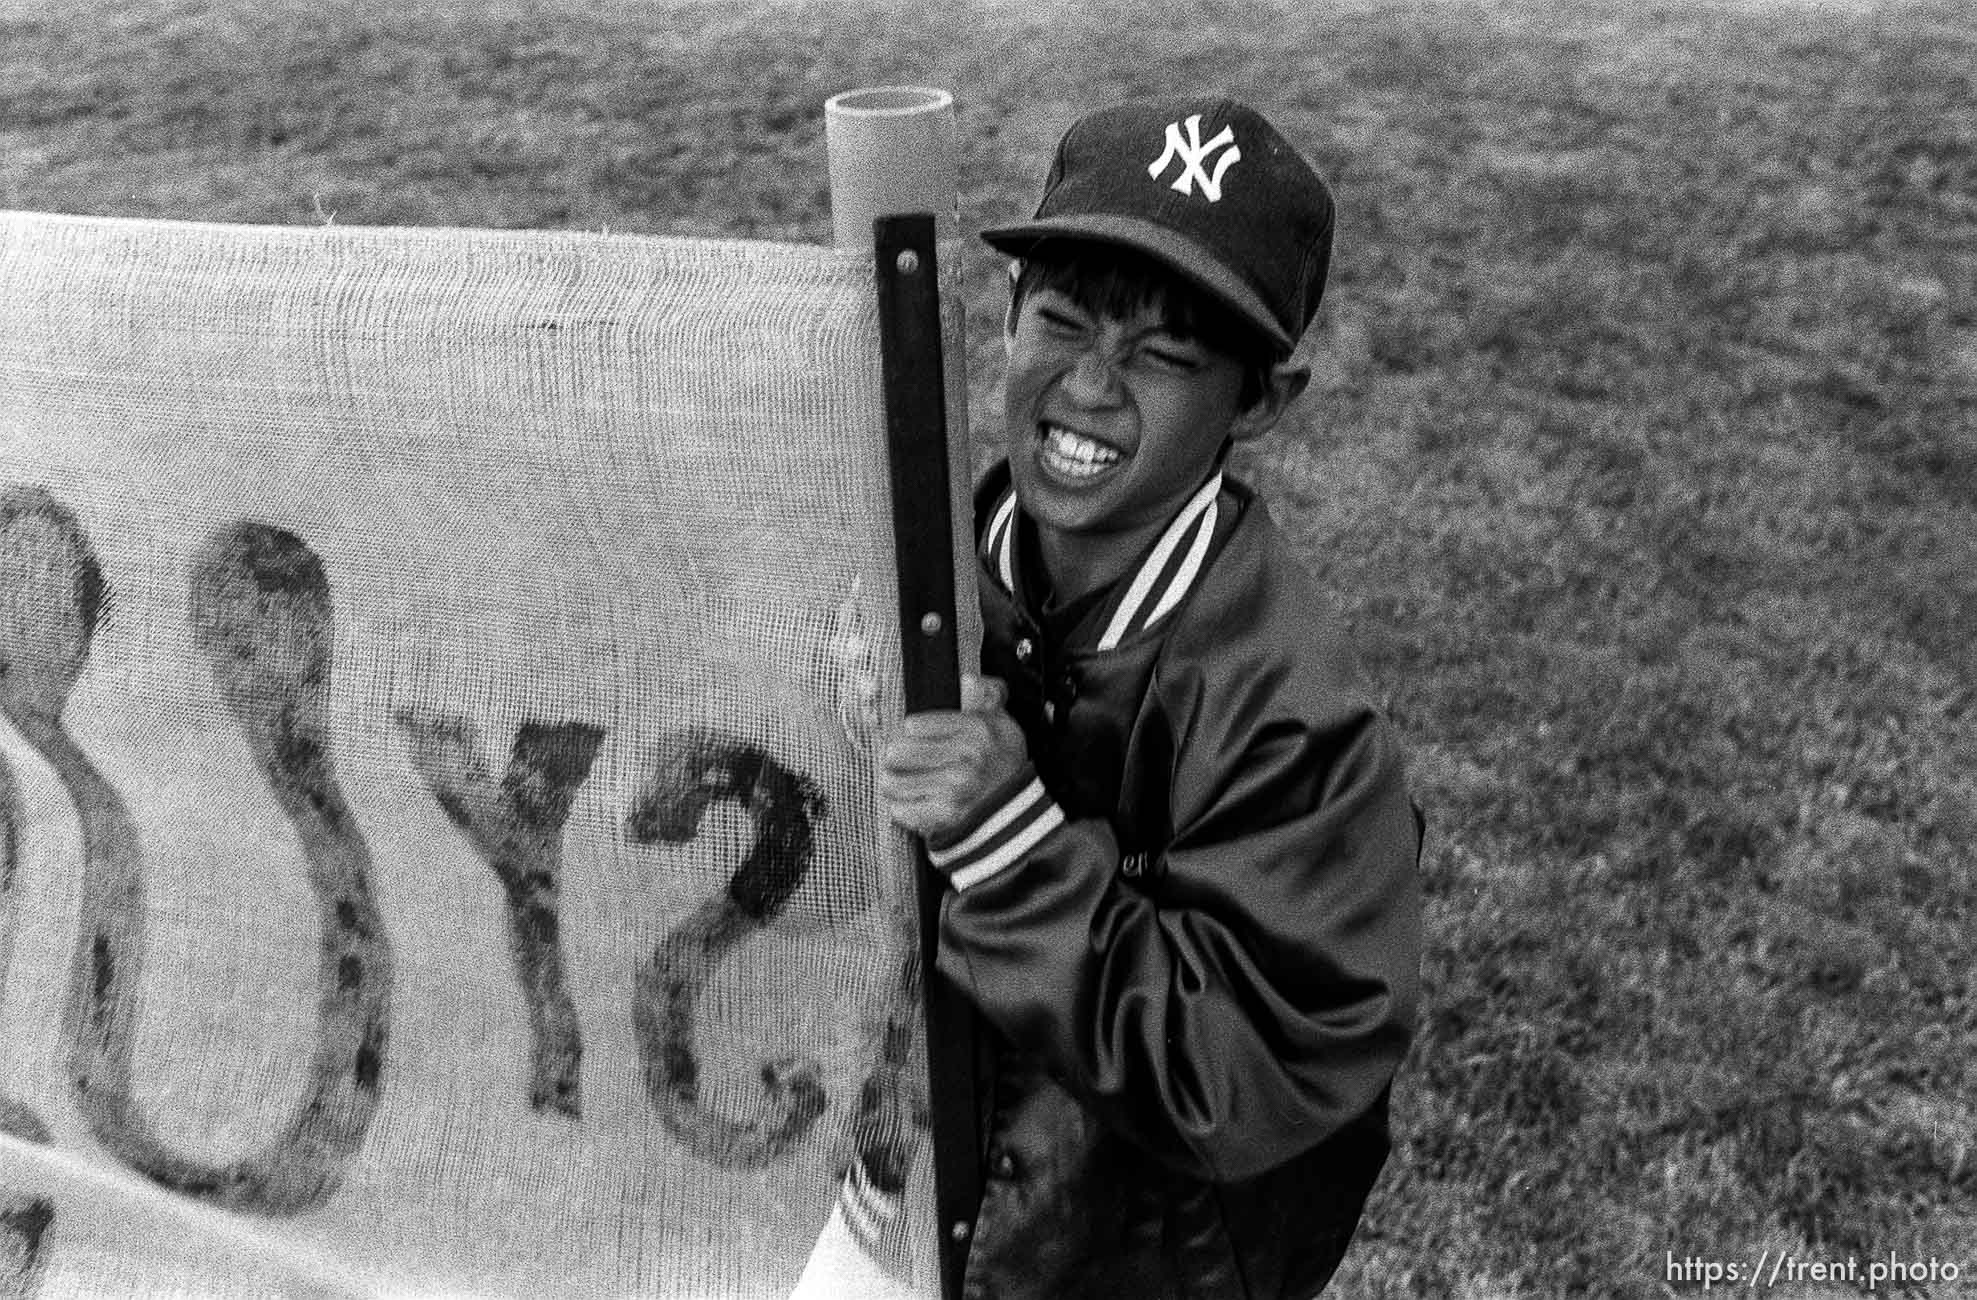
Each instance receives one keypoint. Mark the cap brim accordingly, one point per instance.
(1187, 258)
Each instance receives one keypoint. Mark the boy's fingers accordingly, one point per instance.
(931, 750)
(930, 736)
(935, 723)
(921, 808)
(983, 694)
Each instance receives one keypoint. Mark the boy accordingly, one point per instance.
(1179, 838)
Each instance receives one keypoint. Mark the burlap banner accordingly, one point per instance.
(439, 672)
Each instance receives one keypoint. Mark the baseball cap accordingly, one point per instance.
(1204, 185)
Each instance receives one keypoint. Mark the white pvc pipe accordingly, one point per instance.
(891, 151)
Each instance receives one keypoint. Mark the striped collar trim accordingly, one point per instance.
(1163, 579)
(1169, 570)
(1002, 539)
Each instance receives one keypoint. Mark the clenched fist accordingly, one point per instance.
(938, 769)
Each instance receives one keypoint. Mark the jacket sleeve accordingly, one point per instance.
(1254, 990)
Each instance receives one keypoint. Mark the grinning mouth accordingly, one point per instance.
(1074, 455)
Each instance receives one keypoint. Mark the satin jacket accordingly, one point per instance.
(1194, 927)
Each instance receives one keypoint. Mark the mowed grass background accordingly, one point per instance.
(1642, 453)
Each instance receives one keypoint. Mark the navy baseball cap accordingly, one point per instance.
(1205, 186)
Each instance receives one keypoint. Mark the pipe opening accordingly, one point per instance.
(888, 101)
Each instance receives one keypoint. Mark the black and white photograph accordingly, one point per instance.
(988, 649)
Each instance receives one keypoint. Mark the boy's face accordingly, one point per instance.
(1113, 423)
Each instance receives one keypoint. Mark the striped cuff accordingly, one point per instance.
(1002, 839)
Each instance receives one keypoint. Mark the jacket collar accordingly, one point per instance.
(1156, 586)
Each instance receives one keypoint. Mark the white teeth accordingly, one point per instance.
(1074, 454)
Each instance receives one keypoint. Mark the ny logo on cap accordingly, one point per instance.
(1192, 153)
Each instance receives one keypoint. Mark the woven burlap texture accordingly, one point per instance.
(440, 672)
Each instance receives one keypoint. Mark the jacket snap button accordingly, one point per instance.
(1026, 650)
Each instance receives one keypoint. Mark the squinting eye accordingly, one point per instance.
(1170, 360)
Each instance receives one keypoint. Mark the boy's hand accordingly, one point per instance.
(939, 767)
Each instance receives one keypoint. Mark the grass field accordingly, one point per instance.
(1643, 452)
